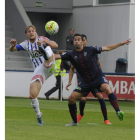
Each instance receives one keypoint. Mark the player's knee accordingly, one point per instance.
(71, 100)
(107, 90)
(31, 96)
(83, 99)
(99, 96)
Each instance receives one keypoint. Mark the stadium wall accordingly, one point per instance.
(18, 18)
(84, 2)
(53, 6)
(108, 24)
(17, 85)
(131, 51)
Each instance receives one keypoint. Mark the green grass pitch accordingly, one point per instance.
(21, 123)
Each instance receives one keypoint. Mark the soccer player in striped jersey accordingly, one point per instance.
(42, 58)
(95, 92)
(84, 61)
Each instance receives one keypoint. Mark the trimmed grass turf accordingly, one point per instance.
(21, 123)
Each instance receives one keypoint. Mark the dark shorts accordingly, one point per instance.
(92, 87)
(94, 91)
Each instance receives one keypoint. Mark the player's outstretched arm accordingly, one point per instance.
(114, 46)
(71, 72)
(57, 56)
(52, 44)
(13, 43)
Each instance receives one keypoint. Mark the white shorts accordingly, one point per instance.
(43, 72)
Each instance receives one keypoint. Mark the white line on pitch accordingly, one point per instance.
(93, 123)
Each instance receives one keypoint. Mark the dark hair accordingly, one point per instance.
(27, 28)
(79, 35)
(84, 36)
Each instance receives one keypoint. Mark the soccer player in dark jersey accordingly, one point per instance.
(96, 92)
(84, 61)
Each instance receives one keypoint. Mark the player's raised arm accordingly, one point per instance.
(114, 46)
(71, 72)
(57, 56)
(52, 44)
(13, 43)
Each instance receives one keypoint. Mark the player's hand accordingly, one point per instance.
(127, 42)
(40, 42)
(68, 86)
(13, 42)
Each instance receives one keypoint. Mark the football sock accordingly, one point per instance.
(81, 107)
(35, 105)
(103, 108)
(49, 51)
(113, 100)
(73, 112)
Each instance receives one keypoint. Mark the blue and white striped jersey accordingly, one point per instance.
(36, 57)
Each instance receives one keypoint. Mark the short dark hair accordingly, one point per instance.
(84, 36)
(79, 35)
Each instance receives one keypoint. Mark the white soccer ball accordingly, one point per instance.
(51, 27)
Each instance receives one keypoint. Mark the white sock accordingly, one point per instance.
(49, 51)
(35, 105)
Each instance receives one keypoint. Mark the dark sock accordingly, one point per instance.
(73, 111)
(81, 107)
(103, 108)
(113, 100)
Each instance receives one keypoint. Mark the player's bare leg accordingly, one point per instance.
(49, 60)
(73, 108)
(34, 91)
(113, 100)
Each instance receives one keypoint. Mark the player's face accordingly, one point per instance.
(85, 41)
(78, 43)
(31, 33)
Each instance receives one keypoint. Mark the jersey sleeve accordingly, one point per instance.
(65, 56)
(96, 49)
(97, 57)
(21, 46)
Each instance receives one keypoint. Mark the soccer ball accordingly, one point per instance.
(51, 27)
